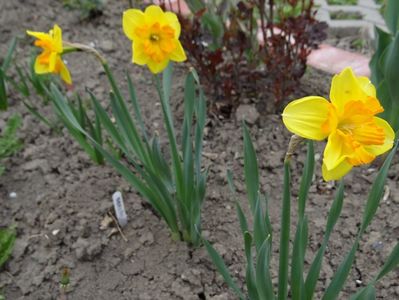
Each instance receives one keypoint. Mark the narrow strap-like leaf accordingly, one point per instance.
(250, 277)
(373, 201)
(7, 240)
(314, 270)
(285, 235)
(8, 57)
(128, 128)
(167, 81)
(250, 169)
(177, 169)
(298, 255)
(200, 113)
(367, 293)
(306, 180)
(377, 190)
(391, 263)
(221, 267)
(242, 219)
(3, 92)
(341, 274)
(392, 15)
(263, 278)
(107, 123)
(136, 107)
(260, 232)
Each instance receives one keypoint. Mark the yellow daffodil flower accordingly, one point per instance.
(355, 135)
(155, 35)
(50, 61)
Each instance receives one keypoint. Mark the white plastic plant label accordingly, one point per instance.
(119, 208)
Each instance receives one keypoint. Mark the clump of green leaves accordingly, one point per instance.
(293, 279)
(88, 8)
(9, 142)
(173, 184)
(384, 64)
(7, 240)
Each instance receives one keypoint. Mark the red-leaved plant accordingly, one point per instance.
(244, 49)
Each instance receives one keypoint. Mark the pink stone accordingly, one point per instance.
(333, 60)
(173, 5)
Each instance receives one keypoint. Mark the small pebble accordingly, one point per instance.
(377, 245)
(13, 195)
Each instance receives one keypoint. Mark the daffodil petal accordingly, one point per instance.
(64, 73)
(172, 20)
(38, 35)
(178, 54)
(41, 68)
(57, 37)
(335, 152)
(336, 173)
(367, 87)
(54, 57)
(139, 56)
(132, 18)
(154, 13)
(347, 87)
(305, 117)
(389, 138)
(157, 67)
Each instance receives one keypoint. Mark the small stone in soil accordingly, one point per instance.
(378, 245)
(12, 195)
(107, 46)
(182, 290)
(192, 276)
(248, 113)
(223, 296)
(147, 239)
(41, 164)
(19, 247)
(86, 250)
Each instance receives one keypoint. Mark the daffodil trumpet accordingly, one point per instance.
(355, 136)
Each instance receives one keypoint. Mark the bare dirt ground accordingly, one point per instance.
(59, 189)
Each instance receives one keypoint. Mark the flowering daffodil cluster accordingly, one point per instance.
(155, 36)
(355, 136)
(50, 61)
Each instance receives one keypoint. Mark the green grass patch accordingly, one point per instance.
(9, 142)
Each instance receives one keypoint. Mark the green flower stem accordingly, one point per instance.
(285, 234)
(71, 47)
(175, 157)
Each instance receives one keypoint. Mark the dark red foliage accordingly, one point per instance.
(241, 66)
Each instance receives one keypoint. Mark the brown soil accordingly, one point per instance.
(59, 189)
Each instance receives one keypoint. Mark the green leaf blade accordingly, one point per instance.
(251, 170)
